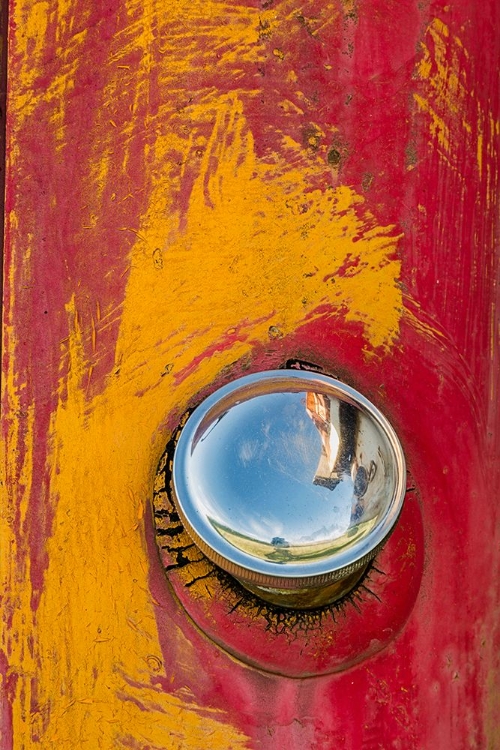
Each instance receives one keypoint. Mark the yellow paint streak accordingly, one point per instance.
(34, 20)
(418, 321)
(256, 246)
(480, 153)
(95, 679)
(17, 456)
(241, 257)
(458, 122)
(252, 251)
(447, 92)
(438, 128)
(38, 21)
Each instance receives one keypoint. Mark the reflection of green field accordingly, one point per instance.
(294, 553)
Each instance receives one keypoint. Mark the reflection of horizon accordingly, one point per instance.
(259, 479)
(279, 553)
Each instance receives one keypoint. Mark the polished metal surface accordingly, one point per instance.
(290, 481)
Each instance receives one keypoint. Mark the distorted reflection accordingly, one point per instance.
(338, 424)
(290, 476)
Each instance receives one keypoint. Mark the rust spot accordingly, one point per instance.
(367, 181)
(334, 157)
(158, 259)
(311, 137)
(305, 23)
(264, 30)
(410, 156)
(275, 333)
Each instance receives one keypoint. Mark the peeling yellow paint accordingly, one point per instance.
(243, 257)
(455, 114)
(17, 453)
(34, 20)
(265, 244)
(95, 627)
(438, 128)
(259, 246)
(447, 92)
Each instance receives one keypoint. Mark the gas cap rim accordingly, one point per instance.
(187, 483)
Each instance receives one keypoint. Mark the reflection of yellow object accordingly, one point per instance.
(302, 553)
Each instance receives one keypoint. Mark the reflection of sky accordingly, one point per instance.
(259, 481)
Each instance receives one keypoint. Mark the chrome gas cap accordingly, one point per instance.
(290, 481)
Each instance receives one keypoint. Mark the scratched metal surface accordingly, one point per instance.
(200, 189)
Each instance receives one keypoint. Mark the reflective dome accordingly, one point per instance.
(288, 479)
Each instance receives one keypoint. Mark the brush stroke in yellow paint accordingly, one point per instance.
(17, 450)
(253, 246)
(47, 40)
(455, 115)
(440, 67)
(459, 123)
(256, 247)
(96, 627)
(247, 255)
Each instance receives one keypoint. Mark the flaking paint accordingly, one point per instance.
(217, 233)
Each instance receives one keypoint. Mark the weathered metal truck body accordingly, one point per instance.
(199, 190)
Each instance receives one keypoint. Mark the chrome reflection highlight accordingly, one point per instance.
(290, 481)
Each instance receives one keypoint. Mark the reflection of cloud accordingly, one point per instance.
(248, 450)
(264, 529)
(339, 515)
(294, 451)
(332, 532)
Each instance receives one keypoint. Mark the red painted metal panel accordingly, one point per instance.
(200, 190)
